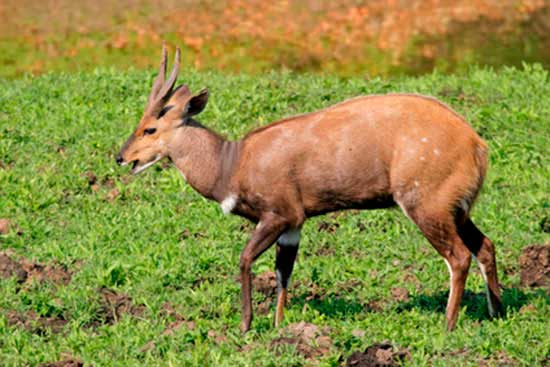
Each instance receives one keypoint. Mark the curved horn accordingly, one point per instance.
(167, 88)
(159, 80)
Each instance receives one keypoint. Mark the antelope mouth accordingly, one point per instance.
(138, 166)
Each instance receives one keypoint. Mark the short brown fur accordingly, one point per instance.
(365, 153)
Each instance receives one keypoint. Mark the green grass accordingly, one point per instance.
(56, 127)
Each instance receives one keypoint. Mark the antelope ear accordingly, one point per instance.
(197, 103)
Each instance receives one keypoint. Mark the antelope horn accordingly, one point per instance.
(162, 95)
(159, 80)
(167, 88)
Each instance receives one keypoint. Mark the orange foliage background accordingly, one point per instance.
(345, 37)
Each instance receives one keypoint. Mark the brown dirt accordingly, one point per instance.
(400, 294)
(309, 340)
(169, 311)
(326, 250)
(5, 225)
(54, 273)
(216, 336)
(534, 263)
(376, 305)
(113, 305)
(246, 227)
(92, 178)
(500, 359)
(67, 362)
(379, 354)
(330, 227)
(112, 195)
(266, 284)
(186, 233)
(316, 293)
(27, 271)
(9, 268)
(35, 324)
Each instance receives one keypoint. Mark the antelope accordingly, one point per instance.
(368, 152)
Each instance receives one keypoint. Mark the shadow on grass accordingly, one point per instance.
(513, 299)
(331, 306)
(476, 303)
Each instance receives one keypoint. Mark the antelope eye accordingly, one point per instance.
(149, 131)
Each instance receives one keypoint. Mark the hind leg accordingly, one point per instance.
(440, 230)
(484, 251)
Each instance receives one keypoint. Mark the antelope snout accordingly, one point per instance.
(119, 159)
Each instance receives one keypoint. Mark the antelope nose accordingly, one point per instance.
(119, 160)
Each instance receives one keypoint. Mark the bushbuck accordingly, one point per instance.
(368, 152)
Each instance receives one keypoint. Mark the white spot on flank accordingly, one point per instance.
(437, 152)
(422, 158)
(228, 204)
(416, 183)
(424, 140)
(290, 237)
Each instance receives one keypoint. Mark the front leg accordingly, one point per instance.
(287, 248)
(265, 234)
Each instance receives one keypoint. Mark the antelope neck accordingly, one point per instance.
(206, 160)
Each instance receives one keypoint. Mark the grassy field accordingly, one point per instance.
(116, 270)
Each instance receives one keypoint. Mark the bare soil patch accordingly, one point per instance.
(379, 354)
(113, 306)
(5, 225)
(330, 227)
(310, 341)
(169, 311)
(266, 284)
(35, 324)
(27, 271)
(400, 294)
(500, 359)
(534, 263)
(67, 362)
(10, 267)
(326, 250)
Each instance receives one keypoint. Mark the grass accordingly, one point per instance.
(151, 237)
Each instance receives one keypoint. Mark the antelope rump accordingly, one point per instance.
(364, 153)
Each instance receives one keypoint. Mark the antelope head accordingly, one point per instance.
(167, 110)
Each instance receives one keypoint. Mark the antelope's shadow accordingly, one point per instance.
(475, 303)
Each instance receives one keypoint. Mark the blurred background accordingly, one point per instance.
(346, 37)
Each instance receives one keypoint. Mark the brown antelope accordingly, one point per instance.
(364, 153)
